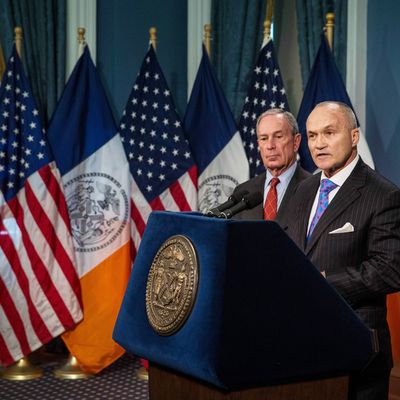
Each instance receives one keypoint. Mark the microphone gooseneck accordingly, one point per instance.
(248, 202)
(234, 198)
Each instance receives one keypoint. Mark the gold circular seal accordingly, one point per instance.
(172, 285)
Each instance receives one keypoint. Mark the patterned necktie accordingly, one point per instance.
(271, 202)
(325, 188)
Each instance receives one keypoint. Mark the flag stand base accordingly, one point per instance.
(142, 374)
(71, 370)
(22, 370)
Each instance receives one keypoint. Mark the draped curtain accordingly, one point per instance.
(43, 27)
(237, 38)
(311, 19)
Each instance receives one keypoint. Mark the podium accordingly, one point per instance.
(264, 322)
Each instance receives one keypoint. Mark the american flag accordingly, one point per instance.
(163, 170)
(266, 91)
(39, 288)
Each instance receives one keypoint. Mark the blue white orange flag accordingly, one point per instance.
(215, 141)
(324, 83)
(266, 91)
(95, 174)
(164, 175)
(39, 287)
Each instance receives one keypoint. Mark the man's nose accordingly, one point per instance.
(270, 144)
(320, 142)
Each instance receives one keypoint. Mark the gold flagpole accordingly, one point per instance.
(22, 370)
(71, 369)
(268, 19)
(153, 37)
(329, 26)
(207, 39)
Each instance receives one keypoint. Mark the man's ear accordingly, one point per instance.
(355, 136)
(297, 141)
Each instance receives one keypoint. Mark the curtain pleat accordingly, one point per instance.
(43, 25)
(311, 18)
(237, 38)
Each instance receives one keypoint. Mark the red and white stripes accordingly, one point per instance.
(181, 195)
(39, 286)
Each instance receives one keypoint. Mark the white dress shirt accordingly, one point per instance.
(284, 180)
(339, 179)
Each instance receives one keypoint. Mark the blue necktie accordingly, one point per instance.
(325, 188)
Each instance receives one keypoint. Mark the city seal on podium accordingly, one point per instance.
(172, 285)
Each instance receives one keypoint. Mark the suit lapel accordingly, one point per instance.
(305, 208)
(347, 194)
(258, 211)
(282, 214)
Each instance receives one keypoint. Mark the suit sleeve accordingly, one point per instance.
(379, 272)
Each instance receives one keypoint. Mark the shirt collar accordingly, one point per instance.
(343, 174)
(285, 177)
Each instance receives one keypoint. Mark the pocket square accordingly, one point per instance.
(347, 227)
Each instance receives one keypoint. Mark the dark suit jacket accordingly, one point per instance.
(257, 183)
(363, 265)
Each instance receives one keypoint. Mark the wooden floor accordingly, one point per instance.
(395, 383)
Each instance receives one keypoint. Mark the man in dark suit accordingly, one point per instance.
(278, 140)
(347, 221)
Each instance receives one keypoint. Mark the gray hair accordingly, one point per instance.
(290, 119)
(345, 109)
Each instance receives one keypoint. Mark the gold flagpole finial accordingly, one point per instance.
(267, 29)
(18, 40)
(153, 37)
(207, 38)
(81, 40)
(81, 35)
(268, 19)
(329, 26)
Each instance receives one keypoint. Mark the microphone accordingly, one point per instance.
(247, 202)
(232, 200)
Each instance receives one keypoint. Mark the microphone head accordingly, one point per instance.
(253, 199)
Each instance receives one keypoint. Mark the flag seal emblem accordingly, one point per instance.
(98, 210)
(172, 285)
(214, 190)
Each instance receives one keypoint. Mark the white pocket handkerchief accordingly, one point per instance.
(347, 227)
